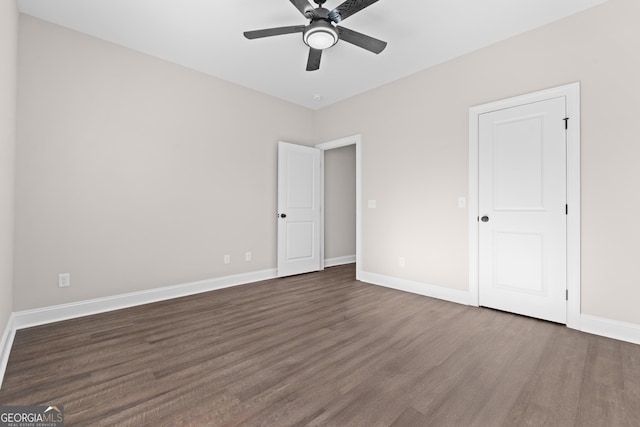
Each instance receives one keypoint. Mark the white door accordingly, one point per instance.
(522, 202)
(298, 209)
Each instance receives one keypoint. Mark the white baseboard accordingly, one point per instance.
(615, 329)
(56, 313)
(332, 262)
(622, 331)
(439, 292)
(5, 346)
(628, 332)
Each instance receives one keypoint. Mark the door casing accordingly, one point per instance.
(571, 92)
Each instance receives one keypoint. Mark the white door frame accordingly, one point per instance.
(337, 143)
(571, 92)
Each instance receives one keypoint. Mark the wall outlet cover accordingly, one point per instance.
(64, 280)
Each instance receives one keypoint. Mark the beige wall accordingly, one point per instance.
(340, 202)
(134, 173)
(8, 85)
(415, 152)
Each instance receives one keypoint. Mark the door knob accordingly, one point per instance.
(283, 215)
(485, 219)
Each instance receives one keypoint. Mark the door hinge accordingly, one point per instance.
(566, 209)
(566, 122)
(566, 294)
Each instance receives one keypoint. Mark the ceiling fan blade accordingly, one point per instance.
(313, 63)
(348, 8)
(361, 40)
(305, 8)
(273, 32)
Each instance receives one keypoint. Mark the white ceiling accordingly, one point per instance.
(206, 35)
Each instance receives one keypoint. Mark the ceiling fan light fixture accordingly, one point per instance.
(320, 35)
(322, 30)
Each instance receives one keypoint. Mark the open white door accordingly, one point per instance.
(298, 209)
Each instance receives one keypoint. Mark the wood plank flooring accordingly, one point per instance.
(322, 350)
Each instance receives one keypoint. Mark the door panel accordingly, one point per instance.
(300, 240)
(522, 198)
(298, 209)
(518, 164)
(518, 261)
(300, 175)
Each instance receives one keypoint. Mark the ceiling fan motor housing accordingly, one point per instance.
(320, 34)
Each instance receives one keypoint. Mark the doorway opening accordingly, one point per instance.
(355, 141)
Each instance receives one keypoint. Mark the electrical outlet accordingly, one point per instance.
(462, 202)
(401, 261)
(64, 280)
(227, 259)
(247, 256)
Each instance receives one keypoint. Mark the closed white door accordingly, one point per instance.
(298, 209)
(522, 202)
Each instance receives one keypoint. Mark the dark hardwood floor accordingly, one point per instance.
(322, 350)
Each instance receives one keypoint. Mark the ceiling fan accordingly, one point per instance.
(321, 33)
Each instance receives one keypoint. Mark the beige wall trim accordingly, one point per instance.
(56, 313)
